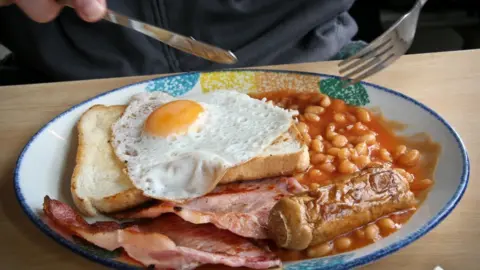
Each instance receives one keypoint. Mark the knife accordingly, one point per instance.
(180, 42)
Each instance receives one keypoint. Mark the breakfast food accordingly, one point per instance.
(167, 242)
(240, 180)
(99, 183)
(225, 206)
(321, 214)
(178, 149)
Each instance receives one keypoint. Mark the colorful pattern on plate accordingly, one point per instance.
(250, 81)
(258, 82)
(333, 262)
(174, 85)
(243, 81)
(276, 81)
(354, 95)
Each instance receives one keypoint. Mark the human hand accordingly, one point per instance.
(47, 10)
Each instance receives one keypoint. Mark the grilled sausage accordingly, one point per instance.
(318, 216)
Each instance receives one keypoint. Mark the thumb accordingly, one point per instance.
(90, 10)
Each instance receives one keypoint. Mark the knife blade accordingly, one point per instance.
(172, 39)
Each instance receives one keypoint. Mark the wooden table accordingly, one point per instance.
(447, 82)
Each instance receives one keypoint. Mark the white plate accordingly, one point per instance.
(45, 164)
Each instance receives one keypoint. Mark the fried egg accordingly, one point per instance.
(180, 148)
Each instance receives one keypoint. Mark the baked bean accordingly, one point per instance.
(360, 233)
(359, 128)
(344, 153)
(315, 109)
(306, 138)
(342, 130)
(372, 232)
(325, 102)
(301, 118)
(314, 173)
(327, 167)
(362, 161)
(353, 153)
(347, 167)
(343, 243)
(339, 141)
(333, 151)
(312, 117)
(370, 139)
(329, 158)
(421, 185)
(410, 158)
(361, 148)
(319, 250)
(338, 105)
(351, 117)
(318, 158)
(317, 146)
(386, 224)
(330, 134)
(327, 144)
(399, 150)
(317, 98)
(405, 174)
(375, 146)
(319, 137)
(302, 127)
(314, 186)
(385, 155)
(293, 107)
(349, 145)
(339, 118)
(363, 115)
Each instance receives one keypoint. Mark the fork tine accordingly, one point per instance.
(383, 64)
(376, 43)
(373, 53)
(373, 61)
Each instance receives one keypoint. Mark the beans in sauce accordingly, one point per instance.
(343, 139)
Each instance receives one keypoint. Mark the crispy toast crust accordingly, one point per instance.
(92, 206)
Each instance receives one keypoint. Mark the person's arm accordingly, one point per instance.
(46, 10)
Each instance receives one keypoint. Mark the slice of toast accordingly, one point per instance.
(100, 184)
(285, 156)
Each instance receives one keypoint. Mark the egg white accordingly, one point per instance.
(233, 129)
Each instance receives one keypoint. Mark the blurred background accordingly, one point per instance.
(445, 25)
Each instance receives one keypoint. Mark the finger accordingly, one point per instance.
(90, 10)
(40, 10)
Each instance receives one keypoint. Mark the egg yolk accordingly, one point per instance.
(173, 118)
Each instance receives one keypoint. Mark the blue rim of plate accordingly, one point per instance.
(432, 223)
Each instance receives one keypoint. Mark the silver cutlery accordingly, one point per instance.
(180, 42)
(384, 50)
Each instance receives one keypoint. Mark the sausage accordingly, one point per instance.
(319, 215)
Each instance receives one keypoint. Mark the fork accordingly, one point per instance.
(384, 50)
